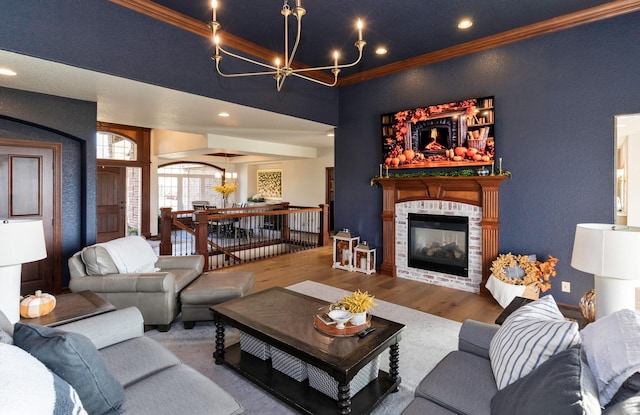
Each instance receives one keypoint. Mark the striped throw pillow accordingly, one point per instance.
(528, 337)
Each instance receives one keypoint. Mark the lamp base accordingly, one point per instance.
(614, 294)
(10, 291)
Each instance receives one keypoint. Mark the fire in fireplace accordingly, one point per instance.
(439, 243)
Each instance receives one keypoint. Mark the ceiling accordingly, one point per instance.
(407, 28)
(415, 32)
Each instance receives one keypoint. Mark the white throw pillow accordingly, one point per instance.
(27, 387)
(528, 337)
(612, 346)
(131, 254)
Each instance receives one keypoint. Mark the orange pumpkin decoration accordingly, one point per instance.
(37, 305)
(409, 154)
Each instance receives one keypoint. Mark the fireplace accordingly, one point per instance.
(472, 196)
(439, 243)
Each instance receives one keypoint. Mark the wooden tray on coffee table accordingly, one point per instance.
(331, 329)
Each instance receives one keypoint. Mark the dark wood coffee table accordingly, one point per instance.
(284, 319)
(72, 307)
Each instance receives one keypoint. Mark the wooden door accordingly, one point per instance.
(111, 202)
(30, 189)
(330, 193)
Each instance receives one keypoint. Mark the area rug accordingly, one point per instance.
(425, 340)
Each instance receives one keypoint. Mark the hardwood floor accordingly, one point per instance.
(315, 265)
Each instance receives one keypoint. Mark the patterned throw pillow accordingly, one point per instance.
(563, 384)
(75, 359)
(27, 387)
(528, 337)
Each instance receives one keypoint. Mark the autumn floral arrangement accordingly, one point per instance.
(226, 189)
(535, 272)
(356, 302)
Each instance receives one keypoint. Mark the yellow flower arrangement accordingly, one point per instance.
(226, 189)
(537, 272)
(357, 302)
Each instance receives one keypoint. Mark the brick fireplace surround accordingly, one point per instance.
(473, 190)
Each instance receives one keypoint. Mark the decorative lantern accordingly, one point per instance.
(365, 258)
(343, 248)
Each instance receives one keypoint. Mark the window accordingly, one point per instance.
(182, 183)
(115, 147)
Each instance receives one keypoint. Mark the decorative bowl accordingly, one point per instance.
(483, 171)
(340, 317)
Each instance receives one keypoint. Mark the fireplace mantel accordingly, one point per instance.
(473, 190)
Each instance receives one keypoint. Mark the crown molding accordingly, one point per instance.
(164, 14)
(590, 15)
(602, 12)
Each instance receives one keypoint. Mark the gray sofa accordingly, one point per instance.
(463, 383)
(155, 381)
(154, 289)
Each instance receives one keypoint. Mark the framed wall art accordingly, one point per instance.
(459, 133)
(270, 184)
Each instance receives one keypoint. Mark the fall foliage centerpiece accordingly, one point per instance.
(358, 303)
(536, 273)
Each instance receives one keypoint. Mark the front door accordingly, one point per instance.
(30, 189)
(111, 202)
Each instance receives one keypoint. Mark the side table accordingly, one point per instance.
(570, 313)
(71, 307)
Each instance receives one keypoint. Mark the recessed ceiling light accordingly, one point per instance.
(223, 114)
(465, 24)
(8, 72)
(330, 135)
(381, 50)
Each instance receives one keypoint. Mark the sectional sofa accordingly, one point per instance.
(111, 368)
(537, 363)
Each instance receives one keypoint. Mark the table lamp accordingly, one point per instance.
(610, 252)
(21, 241)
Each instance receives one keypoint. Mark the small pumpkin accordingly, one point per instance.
(37, 305)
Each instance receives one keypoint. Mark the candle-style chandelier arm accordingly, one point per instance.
(279, 72)
(332, 67)
(217, 57)
(318, 81)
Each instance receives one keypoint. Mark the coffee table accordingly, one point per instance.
(72, 307)
(284, 320)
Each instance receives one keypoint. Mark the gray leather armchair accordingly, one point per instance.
(155, 292)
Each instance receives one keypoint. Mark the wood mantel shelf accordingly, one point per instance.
(474, 190)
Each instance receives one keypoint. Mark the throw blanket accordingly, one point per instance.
(131, 255)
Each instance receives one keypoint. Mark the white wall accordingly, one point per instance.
(633, 180)
(303, 181)
(153, 187)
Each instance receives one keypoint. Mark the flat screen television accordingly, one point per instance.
(456, 134)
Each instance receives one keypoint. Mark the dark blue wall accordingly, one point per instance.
(556, 97)
(29, 116)
(102, 36)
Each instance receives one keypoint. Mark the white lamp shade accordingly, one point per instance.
(21, 241)
(607, 250)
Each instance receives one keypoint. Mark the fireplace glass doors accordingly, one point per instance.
(439, 243)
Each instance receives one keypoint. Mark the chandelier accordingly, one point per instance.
(283, 69)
